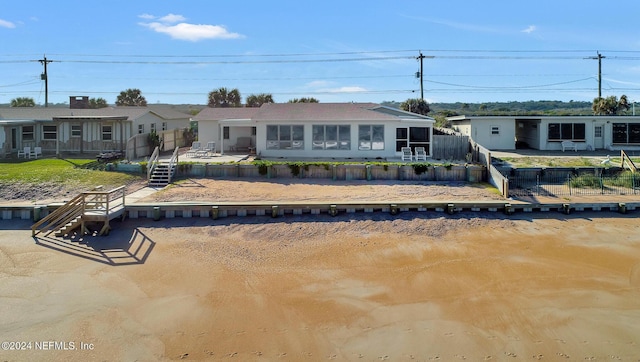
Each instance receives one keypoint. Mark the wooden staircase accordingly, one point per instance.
(92, 206)
(161, 175)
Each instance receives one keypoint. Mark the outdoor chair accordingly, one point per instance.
(195, 147)
(243, 144)
(26, 152)
(211, 148)
(406, 154)
(421, 154)
(37, 151)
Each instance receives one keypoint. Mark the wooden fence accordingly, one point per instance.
(450, 147)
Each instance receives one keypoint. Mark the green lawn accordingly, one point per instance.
(71, 172)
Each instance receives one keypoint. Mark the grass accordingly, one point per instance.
(70, 172)
(524, 162)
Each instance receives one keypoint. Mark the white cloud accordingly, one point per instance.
(352, 89)
(7, 24)
(172, 18)
(186, 31)
(530, 29)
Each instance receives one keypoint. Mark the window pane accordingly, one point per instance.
(344, 133)
(634, 133)
(401, 133)
(318, 133)
(620, 133)
(332, 133)
(554, 131)
(578, 131)
(378, 138)
(364, 137)
(419, 134)
(285, 133)
(400, 144)
(298, 133)
(272, 133)
(566, 131)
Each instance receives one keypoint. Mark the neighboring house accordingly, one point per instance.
(317, 130)
(80, 130)
(548, 132)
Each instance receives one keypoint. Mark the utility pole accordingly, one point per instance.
(421, 73)
(44, 77)
(599, 58)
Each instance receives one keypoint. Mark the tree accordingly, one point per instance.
(23, 102)
(95, 103)
(224, 98)
(131, 97)
(256, 100)
(304, 100)
(415, 105)
(610, 106)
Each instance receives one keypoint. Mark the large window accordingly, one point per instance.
(370, 137)
(285, 137)
(331, 137)
(49, 132)
(107, 133)
(412, 137)
(27, 133)
(626, 133)
(566, 131)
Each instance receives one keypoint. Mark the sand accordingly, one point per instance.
(415, 286)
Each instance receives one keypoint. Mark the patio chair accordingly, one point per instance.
(26, 152)
(406, 154)
(211, 148)
(195, 147)
(421, 154)
(37, 151)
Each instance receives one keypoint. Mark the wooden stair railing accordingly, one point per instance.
(625, 160)
(60, 217)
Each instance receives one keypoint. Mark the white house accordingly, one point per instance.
(548, 132)
(58, 130)
(317, 130)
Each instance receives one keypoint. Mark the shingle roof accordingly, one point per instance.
(47, 113)
(309, 112)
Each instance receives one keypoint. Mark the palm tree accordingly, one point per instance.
(225, 98)
(304, 100)
(131, 97)
(256, 100)
(23, 102)
(416, 105)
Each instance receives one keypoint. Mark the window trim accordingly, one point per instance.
(104, 132)
(560, 128)
(49, 135)
(28, 135)
(76, 133)
(342, 140)
(366, 141)
(288, 137)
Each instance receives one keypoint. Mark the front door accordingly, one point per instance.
(14, 139)
(598, 136)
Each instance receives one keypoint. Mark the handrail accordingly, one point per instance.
(153, 162)
(62, 213)
(96, 200)
(626, 160)
(173, 162)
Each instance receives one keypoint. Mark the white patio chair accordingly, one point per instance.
(406, 154)
(37, 151)
(26, 152)
(195, 147)
(211, 148)
(421, 154)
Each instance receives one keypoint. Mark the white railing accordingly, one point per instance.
(173, 162)
(153, 162)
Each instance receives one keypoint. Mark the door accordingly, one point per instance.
(598, 136)
(14, 139)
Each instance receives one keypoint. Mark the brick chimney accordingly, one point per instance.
(78, 102)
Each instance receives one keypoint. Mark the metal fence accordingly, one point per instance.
(594, 184)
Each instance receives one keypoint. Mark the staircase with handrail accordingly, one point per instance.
(160, 173)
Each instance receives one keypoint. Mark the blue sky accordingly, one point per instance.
(336, 51)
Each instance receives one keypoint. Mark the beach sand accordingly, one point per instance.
(414, 286)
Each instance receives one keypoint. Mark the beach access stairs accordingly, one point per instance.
(96, 206)
(160, 173)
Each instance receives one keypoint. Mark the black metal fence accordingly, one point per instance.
(572, 184)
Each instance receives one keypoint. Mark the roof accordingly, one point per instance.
(311, 112)
(49, 113)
